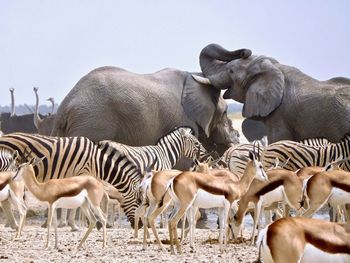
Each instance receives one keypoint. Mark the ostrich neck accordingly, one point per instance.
(37, 118)
(13, 109)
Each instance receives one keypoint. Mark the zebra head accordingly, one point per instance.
(8, 160)
(192, 148)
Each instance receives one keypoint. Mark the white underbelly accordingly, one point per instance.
(339, 197)
(207, 200)
(315, 255)
(273, 196)
(73, 201)
(4, 193)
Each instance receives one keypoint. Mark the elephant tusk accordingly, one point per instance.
(202, 80)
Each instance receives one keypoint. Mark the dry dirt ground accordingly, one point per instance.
(122, 246)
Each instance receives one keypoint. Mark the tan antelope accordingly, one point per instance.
(328, 186)
(304, 240)
(283, 186)
(158, 199)
(13, 192)
(77, 191)
(184, 188)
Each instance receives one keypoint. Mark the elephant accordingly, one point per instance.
(111, 103)
(253, 129)
(44, 124)
(291, 104)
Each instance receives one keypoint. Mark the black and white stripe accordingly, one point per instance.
(6, 160)
(304, 155)
(165, 154)
(73, 156)
(309, 152)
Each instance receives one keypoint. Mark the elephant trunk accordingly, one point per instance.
(213, 59)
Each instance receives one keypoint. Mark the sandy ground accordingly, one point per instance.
(122, 246)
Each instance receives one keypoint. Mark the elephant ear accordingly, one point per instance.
(199, 103)
(265, 93)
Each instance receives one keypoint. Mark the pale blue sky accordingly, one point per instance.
(52, 44)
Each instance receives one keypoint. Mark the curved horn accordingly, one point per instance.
(201, 80)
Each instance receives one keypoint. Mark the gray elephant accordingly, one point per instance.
(291, 104)
(115, 104)
(253, 129)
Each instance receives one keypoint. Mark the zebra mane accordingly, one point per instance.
(191, 131)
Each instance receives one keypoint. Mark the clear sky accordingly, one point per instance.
(52, 44)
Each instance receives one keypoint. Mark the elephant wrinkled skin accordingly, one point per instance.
(291, 104)
(110, 103)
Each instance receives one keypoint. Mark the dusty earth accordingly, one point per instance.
(122, 246)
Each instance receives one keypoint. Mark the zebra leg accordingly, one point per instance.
(139, 212)
(11, 221)
(63, 221)
(71, 220)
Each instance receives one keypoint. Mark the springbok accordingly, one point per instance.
(155, 194)
(184, 188)
(304, 240)
(283, 186)
(13, 192)
(78, 191)
(329, 186)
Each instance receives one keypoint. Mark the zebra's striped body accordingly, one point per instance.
(165, 154)
(304, 155)
(6, 160)
(309, 152)
(73, 156)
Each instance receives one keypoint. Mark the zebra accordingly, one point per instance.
(317, 153)
(309, 152)
(7, 160)
(162, 156)
(8, 163)
(165, 154)
(73, 156)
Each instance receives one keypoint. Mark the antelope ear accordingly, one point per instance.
(199, 102)
(265, 93)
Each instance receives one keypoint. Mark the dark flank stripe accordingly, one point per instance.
(55, 159)
(67, 146)
(269, 187)
(76, 147)
(342, 186)
(81, 153)
(107, 165)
